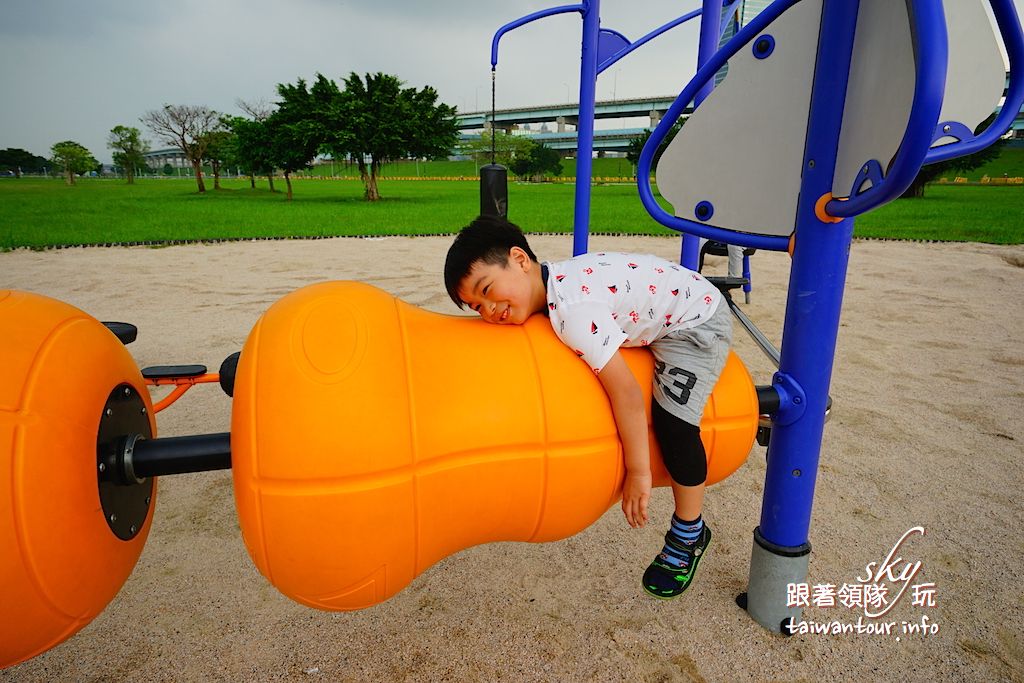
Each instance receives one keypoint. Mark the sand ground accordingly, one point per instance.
(927, 430)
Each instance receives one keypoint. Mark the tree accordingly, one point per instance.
(251, 147)
(298, 127)
(73, 158)
(540, 161)
(377, 120)
(18, 161)
(218, 150)
(251, 152)
(636, 145)
(506, 148)
(187, 128)
(129, 150)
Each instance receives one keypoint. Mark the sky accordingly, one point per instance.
(72, 70)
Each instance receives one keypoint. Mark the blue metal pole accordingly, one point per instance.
(781, 548)
(585, 124)
(710, 35)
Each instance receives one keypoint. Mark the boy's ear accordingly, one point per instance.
(519, 257)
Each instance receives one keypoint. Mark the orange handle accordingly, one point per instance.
(182, 384)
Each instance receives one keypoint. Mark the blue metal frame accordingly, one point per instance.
(815, 296)
(821, 249)
(591, 64)
(563, 9)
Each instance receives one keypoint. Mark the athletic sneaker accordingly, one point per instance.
(663, 580)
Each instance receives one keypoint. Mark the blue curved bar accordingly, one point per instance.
(704, 75)
(928, 28)
(728, 4)
(1010, 29)
(563, 9)
(650, 36)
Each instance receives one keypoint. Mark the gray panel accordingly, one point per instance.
(742, 149)
(880, 92)
(882, 81)
(976, 72)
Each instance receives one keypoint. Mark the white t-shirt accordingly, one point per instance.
(599, 302)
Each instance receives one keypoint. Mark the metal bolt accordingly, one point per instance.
(810, 164)
(148, 498)
(133, 529)
(113, 517)
(945, 129)
(143, 410)
(103, 467)
(797, 400)
(109, 412)
(796, 473)
(127, 391)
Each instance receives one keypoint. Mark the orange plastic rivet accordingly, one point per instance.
(819, 209)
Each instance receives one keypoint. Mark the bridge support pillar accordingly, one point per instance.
(562, 121)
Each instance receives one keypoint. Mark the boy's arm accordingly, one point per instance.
(631, 420)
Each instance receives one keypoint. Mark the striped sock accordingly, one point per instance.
(682, 534)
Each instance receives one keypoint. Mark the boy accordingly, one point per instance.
(597, 303)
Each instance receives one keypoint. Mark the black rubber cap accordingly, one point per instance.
(227, 373)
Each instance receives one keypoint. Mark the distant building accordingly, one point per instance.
(158, 158)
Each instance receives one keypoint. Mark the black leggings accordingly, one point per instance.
(681, 447)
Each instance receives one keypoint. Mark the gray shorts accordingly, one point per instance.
(687, 364)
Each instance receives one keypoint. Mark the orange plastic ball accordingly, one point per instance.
(61, 563)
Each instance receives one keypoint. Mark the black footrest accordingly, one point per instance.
(125, 332)
(169, 371)
(726, 284)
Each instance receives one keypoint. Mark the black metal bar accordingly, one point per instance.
(179, 455)
(762, 341)
(767, 399)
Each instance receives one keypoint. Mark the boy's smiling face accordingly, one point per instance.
(504, 294)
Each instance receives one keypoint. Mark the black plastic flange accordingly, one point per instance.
(124, 498)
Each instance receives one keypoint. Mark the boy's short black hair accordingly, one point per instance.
(488, 239)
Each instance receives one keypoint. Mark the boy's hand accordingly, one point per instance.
(636, 492)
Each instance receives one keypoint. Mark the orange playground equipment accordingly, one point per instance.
(352, 434)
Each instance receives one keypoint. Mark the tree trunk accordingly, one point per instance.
(215, 166)
(372, 194)
(916, 189)
(252, 181)
(270, 179)
(288, 181)
(69, 177)
(129, 173)
(198, 169)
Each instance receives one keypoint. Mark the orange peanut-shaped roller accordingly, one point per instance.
(69, 537)
(371, 438)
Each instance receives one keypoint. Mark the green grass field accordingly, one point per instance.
(1010, 163)
(38, 213)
